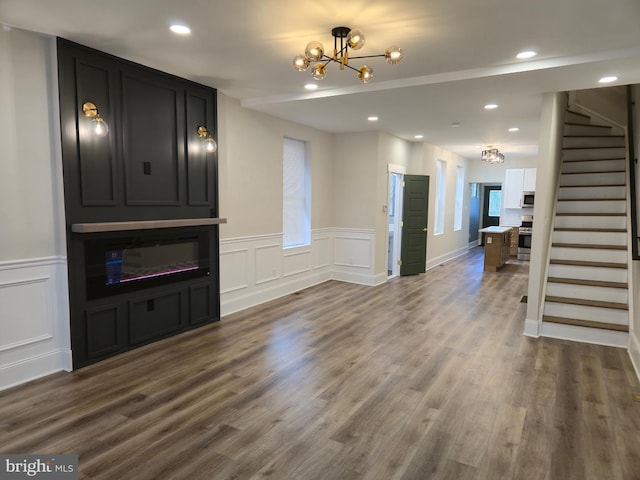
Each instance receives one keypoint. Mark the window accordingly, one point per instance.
(441, 190)
(296, 198)
(495, 201)
(457, 219)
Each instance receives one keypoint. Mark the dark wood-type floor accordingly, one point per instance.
(425, 377)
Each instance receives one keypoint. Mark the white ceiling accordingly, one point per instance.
(459, 56)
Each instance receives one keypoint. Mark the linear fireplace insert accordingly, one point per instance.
(137, 261)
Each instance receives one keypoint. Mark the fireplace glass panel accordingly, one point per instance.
(119, 265)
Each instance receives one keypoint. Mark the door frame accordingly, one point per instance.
(397, 235)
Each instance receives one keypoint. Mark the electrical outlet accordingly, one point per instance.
(489, 240)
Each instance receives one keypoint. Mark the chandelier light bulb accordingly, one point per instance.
(314, 51)
(393, 55)
(319, 71)
(355, 39)
(301, 63)
(210, 145)
(365, 74)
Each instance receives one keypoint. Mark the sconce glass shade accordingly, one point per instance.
(314, 51)
(319, 71)
(301, 63)
(99, 126)
(210, 145)
(365, 74)
(355, 39)
(393, 55)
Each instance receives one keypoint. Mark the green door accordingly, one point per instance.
(415, 208)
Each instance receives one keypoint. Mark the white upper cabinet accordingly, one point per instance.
(516, 181)
(529, 184)
(512, 188)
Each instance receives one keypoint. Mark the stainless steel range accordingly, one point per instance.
(524, 238)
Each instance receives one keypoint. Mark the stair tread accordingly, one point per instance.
(586, 303)
(592, 186)
(586, 323)
(592, 199)
(580, 263)
(599, 172)
(589, 283)
(590, 246)
(591, 214)
(592, 159)
(599, 230)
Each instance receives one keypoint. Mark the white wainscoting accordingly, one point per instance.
(34, 319)
(256, 269)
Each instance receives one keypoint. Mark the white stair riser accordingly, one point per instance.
(604, 206)
(583, 142)
(591, 254)
(590, 238)
(598, 274)
(586, 130)
(594, 166)
(593, 153)
(588, 179)
(587, 292)
(569, 193)
(591, 314)
(591, 222)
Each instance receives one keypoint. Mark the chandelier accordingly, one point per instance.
(492, 155)
(343, 39)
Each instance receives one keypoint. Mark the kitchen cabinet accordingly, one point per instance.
(515, 234)
(496, 247)
(512, 188)
(529, 181)
(516, 181)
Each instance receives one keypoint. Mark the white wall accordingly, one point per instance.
(547, 177)
(482, 172)
(34, 319)
(634, 330)
(450, 244)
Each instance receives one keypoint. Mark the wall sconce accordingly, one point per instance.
(210, 144)
(98, 125)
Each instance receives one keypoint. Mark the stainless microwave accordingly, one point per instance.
(528, 199)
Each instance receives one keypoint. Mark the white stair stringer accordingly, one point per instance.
(586, 297)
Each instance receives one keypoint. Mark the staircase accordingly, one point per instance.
(587, 282)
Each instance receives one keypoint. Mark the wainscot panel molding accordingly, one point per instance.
(257, 269)
(34, 321)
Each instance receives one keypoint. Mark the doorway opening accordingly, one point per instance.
(395, 229)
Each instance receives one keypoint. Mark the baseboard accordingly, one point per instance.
(575, 333)
(531, 328)
(434, 262)
(359, 278)
(474, 244)
(634, 353)
(28, 369)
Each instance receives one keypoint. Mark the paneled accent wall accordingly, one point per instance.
(34, 320)
(257, 269)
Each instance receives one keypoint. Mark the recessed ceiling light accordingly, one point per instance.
(490, 106)
(311, 86)
(609, 79)
(526, 54)
(372, 118)
(455, 124)
(514, 129)
(419, 137)
(180, 29)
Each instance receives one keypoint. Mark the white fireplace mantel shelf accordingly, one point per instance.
(143, 225)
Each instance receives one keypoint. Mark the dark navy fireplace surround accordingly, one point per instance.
(129, 286)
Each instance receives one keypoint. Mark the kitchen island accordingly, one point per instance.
(496, 247)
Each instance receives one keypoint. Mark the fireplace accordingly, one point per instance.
(119, 264)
